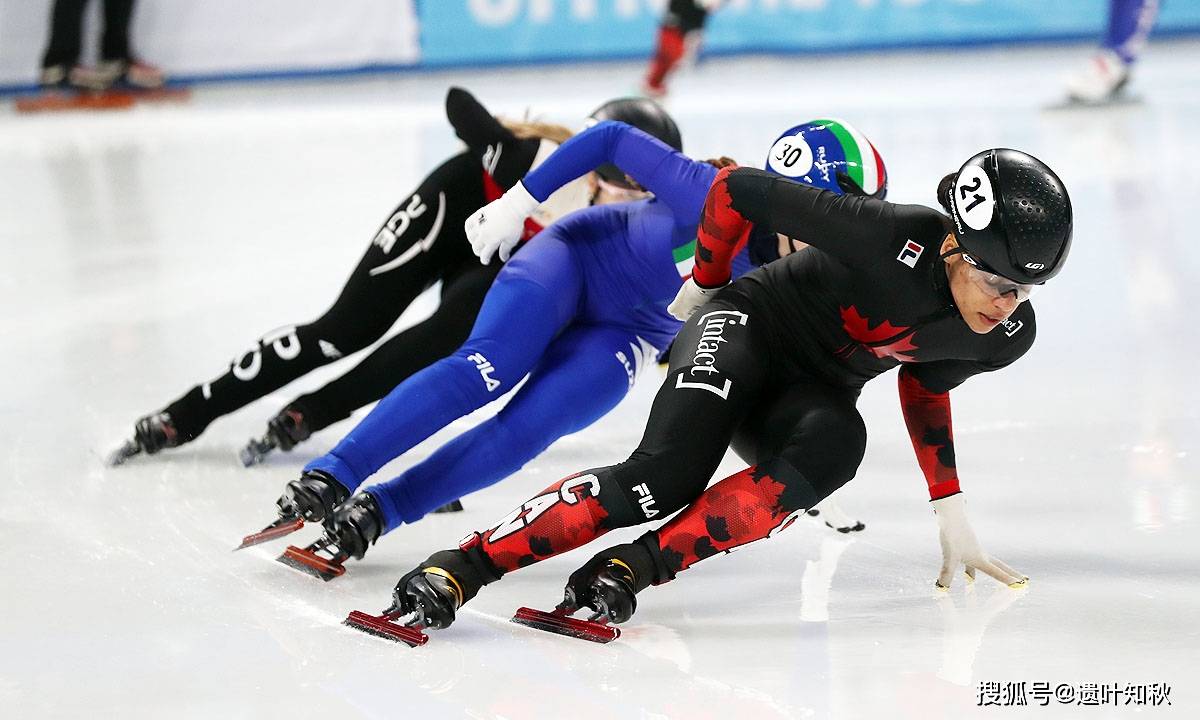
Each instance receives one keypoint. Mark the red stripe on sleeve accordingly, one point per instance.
(927, 416)
(721, 235)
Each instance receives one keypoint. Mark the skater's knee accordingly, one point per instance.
(795, 490)
(527, 437)
(336, 333)
(831, 458)
(650, 486)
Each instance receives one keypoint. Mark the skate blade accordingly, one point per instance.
(593, 631)
(166, 93)
(271, 532)
(254, 452)
(82, 100)
(310, 563)
(123, 453)
(382, 626)
(452, 506)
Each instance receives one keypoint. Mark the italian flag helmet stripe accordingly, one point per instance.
(863, 164)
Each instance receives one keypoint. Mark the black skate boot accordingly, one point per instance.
(354, 526)
(430, 595)
(312, 498)
(450, 507)
(284, 431)
(150, 435)
(607, 585)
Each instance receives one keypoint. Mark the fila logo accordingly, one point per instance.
(645, 499)
(485, 371)
(1012, 327)
(909, 254)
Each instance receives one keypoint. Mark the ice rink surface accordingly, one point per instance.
(141, 250)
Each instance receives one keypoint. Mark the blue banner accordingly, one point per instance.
(485, 31)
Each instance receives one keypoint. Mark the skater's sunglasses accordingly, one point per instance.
(994, 284)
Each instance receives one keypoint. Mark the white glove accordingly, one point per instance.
(689, 299)
(498, 225)
(961, 547)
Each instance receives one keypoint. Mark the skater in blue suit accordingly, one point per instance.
(580, 310)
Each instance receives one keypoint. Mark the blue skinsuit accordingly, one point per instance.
(581, 308)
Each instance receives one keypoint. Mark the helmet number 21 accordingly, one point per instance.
(973, 198)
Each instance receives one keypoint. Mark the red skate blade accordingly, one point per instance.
(310, 563)
(58, 102)
(270, 533)
(598, 632)
(380, 626)
(167, 93)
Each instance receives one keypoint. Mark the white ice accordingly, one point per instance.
(140, 250)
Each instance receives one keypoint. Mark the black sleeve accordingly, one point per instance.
(504, 156)
(859, 231)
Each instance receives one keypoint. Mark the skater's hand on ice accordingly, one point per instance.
(689, 299)
(960, 547)
(497, 226)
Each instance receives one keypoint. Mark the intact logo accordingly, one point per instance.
(646, 500)
(910, 253)
(703, 374)
(1011, 328)
(485, 371)
(571, 492)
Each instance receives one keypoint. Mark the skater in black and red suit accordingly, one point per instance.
(773, 364)
(679, 34)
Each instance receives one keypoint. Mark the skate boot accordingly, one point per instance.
(834, 517)
(284, 431)
(354, 526)
(312, 498)
(53, 77)
(607, 585)
(131, 73)
(450, 507)
(430, 595)
(1101, 81)
(150, 435)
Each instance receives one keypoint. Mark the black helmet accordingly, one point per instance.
(645, 115)
(1011, 214)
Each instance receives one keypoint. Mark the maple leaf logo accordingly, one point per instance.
(859, 329)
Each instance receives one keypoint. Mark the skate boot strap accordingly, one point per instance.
(472, 547)
(661, 572)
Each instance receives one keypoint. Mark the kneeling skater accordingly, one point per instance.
(774, 364)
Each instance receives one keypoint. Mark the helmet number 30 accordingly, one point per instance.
(791, 156)
(973, 198)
